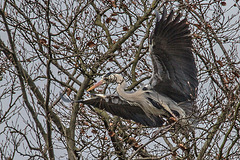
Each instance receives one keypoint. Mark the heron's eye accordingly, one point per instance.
(106, 78)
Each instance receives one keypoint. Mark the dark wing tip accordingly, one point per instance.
(157, 15)
(164, 14)
(65, 99)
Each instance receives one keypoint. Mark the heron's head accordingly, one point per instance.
(108, 78)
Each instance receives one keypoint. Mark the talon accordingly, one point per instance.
(173, 119)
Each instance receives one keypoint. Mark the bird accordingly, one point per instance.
(172, 89)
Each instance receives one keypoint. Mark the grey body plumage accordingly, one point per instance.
(172, 88)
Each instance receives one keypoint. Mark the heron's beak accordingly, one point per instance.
(96, 85)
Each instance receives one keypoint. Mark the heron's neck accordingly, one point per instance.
(122, 86)
(121, 91)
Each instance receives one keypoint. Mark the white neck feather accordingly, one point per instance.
(121, 90)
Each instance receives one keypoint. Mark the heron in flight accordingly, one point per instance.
(171, 91)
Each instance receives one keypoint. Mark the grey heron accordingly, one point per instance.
(171, 91)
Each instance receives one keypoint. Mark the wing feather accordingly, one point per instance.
(114, 105)
(174, 69)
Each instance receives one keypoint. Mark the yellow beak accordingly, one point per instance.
(95, 85)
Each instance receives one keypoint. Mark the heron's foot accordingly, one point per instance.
(173, 119)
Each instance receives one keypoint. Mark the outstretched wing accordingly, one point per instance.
(114, 105)
(175, 73)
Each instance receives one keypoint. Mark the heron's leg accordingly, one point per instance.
(162, 130)
(173, 119)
